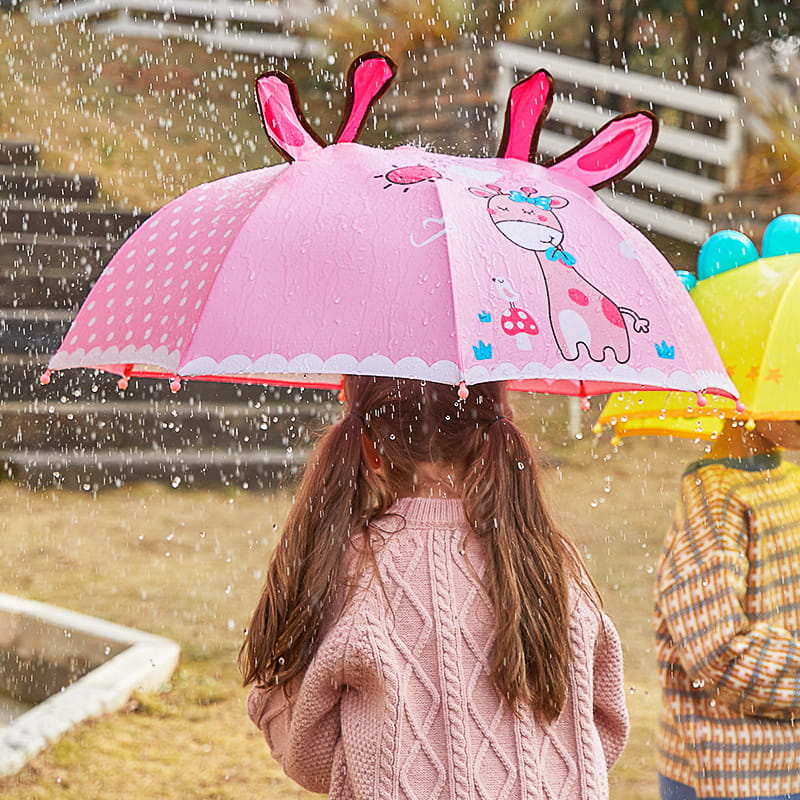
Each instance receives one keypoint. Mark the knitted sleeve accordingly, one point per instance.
(610, 713)
(270, 708)
(753, 667)
(302, 725)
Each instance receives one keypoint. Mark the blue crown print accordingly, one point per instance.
(664, 350)
(482, 350)
(484, 316)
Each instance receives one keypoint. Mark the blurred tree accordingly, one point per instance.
(400, 27)
(718, 34)
(611, 26)
(699, 41)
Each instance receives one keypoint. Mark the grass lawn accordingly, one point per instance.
(188, 564)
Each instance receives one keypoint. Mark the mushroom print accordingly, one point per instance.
(515, 322)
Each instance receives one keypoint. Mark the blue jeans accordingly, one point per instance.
(672, 790)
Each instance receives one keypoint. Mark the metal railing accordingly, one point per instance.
(226, 24)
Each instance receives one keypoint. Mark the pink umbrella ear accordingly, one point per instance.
(612, 152)
(528, 104)
(287, 128)
(368, 79)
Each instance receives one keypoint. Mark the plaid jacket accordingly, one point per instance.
(728, 630)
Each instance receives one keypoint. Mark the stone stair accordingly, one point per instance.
(81, 431)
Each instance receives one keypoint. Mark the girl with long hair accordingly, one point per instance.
(425, 631)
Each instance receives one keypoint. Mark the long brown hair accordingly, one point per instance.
(530, 566)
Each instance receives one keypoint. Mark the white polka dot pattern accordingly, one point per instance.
(159, 267)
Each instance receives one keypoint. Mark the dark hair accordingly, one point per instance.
(530, 566)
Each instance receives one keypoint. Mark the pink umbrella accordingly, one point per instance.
(403, 262)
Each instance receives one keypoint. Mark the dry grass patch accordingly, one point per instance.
(173, 745)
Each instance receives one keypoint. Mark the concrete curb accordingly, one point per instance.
(145, 662)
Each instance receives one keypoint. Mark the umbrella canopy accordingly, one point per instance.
(750, 306)
(402, 262)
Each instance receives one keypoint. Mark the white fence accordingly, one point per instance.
(699, 150)
(227, 24)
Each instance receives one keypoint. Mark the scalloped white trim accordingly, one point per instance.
(410, 367)
(449, 372)
(160, 358)
(340, 364)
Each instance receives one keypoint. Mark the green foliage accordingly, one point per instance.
(399, 27)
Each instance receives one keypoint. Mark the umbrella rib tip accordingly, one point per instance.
(701, 399)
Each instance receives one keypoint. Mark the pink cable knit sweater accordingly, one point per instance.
(397, 702)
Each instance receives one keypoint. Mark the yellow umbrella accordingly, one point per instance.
(663, 414)
(751, 307)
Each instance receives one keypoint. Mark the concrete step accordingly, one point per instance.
(49, 274)
(169, 425)
(36, 333)
(21, 152)
(78, 443)
(20, 373)
(28, 183)
(32, 287)
(261, 469)
(52, 218)
(20, 249)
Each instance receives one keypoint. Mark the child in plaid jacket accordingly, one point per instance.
(728, 623)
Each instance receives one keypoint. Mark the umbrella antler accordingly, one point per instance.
(528, 104)
(289, 131)
(286, 126)
(368, 79)
(601, 158)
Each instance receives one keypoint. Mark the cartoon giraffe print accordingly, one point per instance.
(580, 314)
